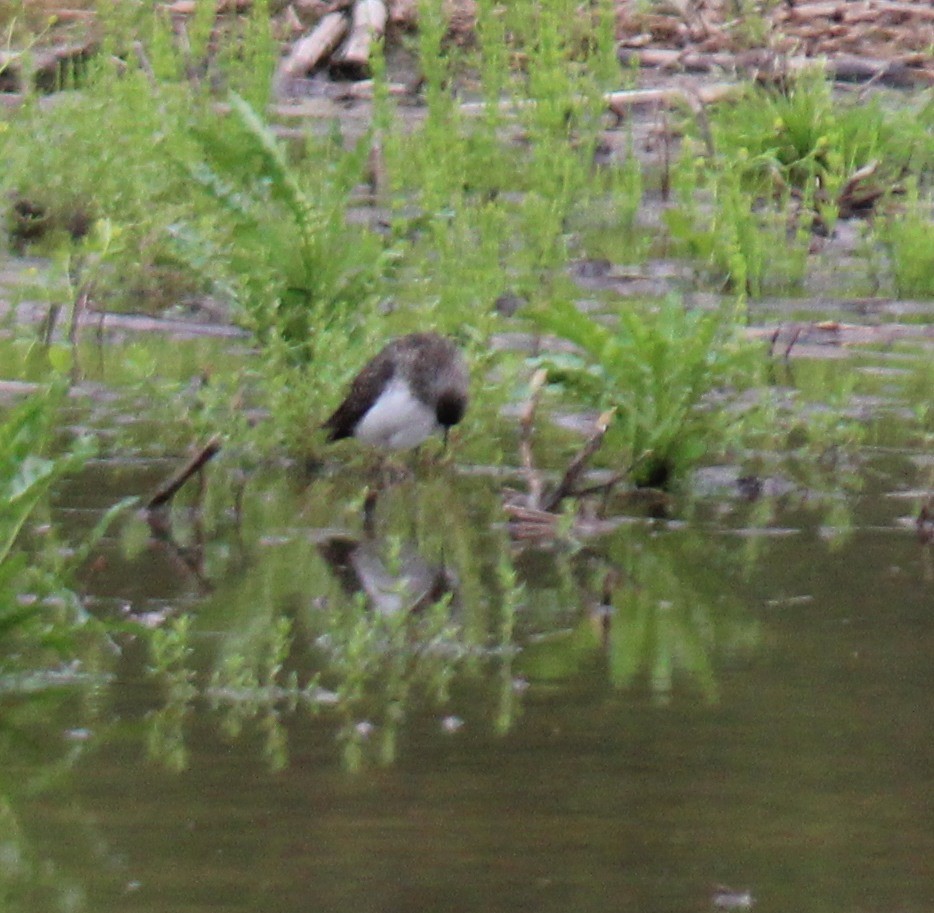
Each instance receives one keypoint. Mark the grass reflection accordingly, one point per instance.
(655, 607)
(320, 612)
(36, 768)
(365, 622)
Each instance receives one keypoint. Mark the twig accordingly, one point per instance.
(144, 63)
(794, 339)
(82, 300)
(603, 487)
(579, 463)
(170, 487)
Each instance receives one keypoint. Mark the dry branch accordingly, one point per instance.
(309, 52)
(579, 463)
(171, 486)
(368, 23)
(860, 192)
(534, 515)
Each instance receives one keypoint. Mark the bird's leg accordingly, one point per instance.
(390, 472)
(369, 511)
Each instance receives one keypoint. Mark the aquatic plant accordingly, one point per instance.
(272, 238)
(908, 236)
(655, 364)
(277, 240)
(781, 162)
(39, 607)
(799, 133)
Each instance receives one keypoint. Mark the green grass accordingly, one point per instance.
(478, 206)
(908, 235)
(778, 165)
(40, 610)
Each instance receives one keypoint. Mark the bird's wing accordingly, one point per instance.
(363, 392)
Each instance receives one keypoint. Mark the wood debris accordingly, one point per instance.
(309, 52)
(50, 68)
(367, 25)
(886, 40)
(168, 489)
(534, 514)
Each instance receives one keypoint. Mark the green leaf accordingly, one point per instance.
(61, 358)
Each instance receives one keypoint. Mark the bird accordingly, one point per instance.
(414, 387)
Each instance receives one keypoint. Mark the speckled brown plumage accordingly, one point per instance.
(433, 368)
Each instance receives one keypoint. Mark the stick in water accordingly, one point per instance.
(170, 487)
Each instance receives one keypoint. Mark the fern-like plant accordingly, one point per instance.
(273, 236)
(658, 366)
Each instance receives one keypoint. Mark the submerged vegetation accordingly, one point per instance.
(168, 181)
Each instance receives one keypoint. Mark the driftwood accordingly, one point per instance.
(168, 489)
(533, 515)
(760, 64)
(850, 12)
(806, 338)
(620, 102)
(403, 14)
(18, 388)
(47, 67)
(631, 99)
(368, 23)
(187, 7)
(860, 192)
(311, 51)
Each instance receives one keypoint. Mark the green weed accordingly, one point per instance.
(101, 155)
(778, 163)
(743, 246)
(909, 237)
(801, 135)
(655, 365)
(276, 243)
(39, 608)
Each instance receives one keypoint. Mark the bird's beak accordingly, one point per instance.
(445, 434)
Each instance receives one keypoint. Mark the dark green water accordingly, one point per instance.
(741, 696)
(771, 730)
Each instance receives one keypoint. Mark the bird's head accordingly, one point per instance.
(450, 407)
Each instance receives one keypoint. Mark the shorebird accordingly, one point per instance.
(416, 386)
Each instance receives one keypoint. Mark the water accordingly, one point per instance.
(769, 731)
(741, 696)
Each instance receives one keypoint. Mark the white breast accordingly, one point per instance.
(397, 420)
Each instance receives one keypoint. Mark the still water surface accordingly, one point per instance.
(631, 722)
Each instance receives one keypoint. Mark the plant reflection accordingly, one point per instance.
(37, 766)
(424, 609)
(655, 608)
(359, 627)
